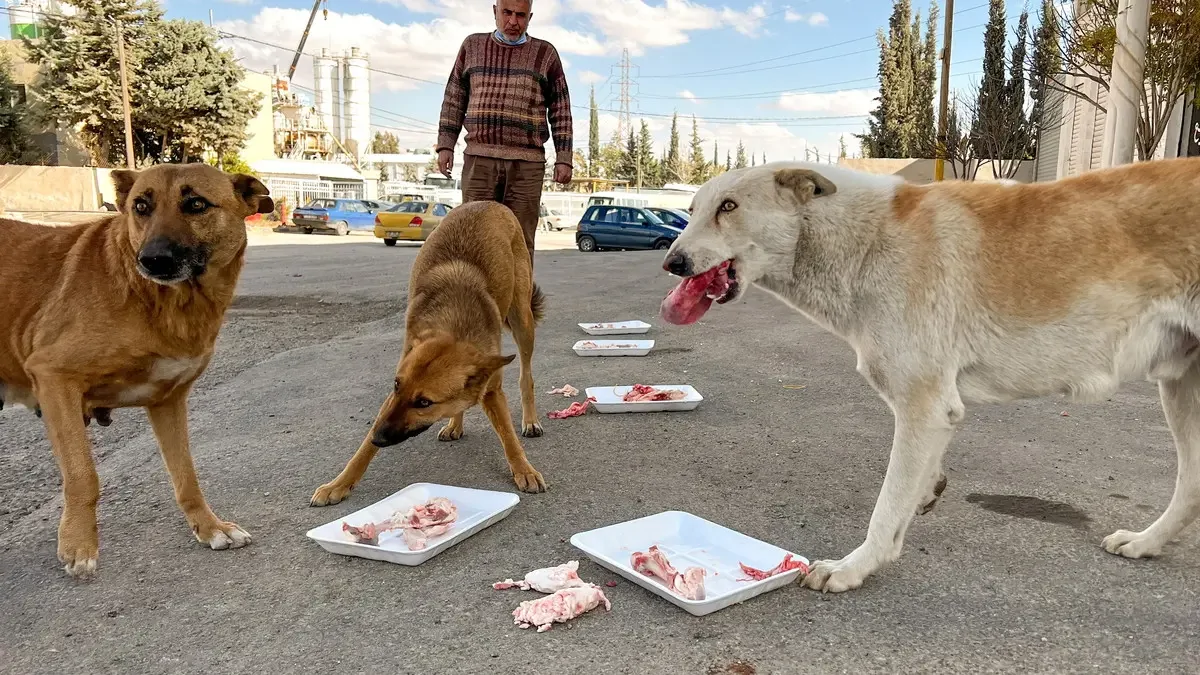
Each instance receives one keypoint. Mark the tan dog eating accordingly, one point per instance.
(472, 278)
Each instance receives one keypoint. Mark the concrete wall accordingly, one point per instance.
(921, 170)
(49, 188)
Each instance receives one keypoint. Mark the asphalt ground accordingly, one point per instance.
(790, 446)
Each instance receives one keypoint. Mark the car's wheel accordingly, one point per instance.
(389, 242)
(342, 228)
(308, 230)
(662, 245)
(587, 244)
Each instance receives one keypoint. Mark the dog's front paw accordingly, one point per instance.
(450, 432)
(528, 479)
(329, 494)
(531, 430)
(220, 535)
(1132, 544)
(79, 554)
(833, 576)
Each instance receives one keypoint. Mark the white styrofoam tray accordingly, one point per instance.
(689, 540)
(477, 509)
(614, 347)
(615, 327)
(609, 399)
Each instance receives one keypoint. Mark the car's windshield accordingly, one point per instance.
(410, 207)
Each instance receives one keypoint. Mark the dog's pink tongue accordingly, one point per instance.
(688, 301)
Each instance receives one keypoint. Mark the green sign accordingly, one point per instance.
(24, 30)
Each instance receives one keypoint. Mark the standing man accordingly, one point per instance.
(503, 85)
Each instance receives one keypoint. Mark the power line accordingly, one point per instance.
(793, 54)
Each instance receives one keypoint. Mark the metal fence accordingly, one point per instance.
(299, 191)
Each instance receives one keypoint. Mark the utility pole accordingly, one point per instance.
(129, 161)
(939, 166)
(1128, 83)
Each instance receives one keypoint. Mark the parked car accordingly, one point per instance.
(549, 219)
(337, 215)
(623, 227)
(674, 217)
(409, 221)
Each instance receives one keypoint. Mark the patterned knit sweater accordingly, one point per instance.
(502, 95)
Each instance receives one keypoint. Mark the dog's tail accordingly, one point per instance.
(537, 303)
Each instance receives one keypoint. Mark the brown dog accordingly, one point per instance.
(124, 312)
(472, 278)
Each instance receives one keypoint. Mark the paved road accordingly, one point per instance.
(1005, 575)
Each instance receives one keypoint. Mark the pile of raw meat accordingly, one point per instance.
(787, 565)
(569, 596)
(588, 344)
(417, 524)
(654, 563)
(642, 393)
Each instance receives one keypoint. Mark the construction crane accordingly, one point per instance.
(304, 36)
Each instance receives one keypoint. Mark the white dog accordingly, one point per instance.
(975, 292)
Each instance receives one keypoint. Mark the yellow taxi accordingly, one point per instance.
(409, 221)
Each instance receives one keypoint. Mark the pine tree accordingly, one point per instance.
(990, 110)
(716, 163)
(741, 156)
(841, 147)
(1014, 92)
(674, 171)
(645, 155)
(924, 133)
(385, 143)
(699, 168)
(593, 136)
(890, 126)
(185, 91)
(728, 161)
(15, 144)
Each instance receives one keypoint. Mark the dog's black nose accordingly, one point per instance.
(159, 258)
(678, 264)
(387, 436)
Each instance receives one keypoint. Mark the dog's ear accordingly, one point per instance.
(805, 184)
(253, 192)
(123, 180)
(486, 367)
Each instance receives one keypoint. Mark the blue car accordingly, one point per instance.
(673, 217)
(606, 226)
(338, 215)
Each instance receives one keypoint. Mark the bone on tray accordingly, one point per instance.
(547, 579)
(654, 563)
(417, 524)
(561, 606)
(643, 393)
(788, 564)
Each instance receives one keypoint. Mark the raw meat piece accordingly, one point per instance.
(417, 524)
(641, 393)
(547, 579)
(588, 344)
(787, 565)
(654, 563)
(566, 390)
(574, 410)
(693, 296)
(562, 606)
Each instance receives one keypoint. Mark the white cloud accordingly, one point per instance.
(689, 96)
(589, 77)
(832, 103)
(814, 19)
(637, 25)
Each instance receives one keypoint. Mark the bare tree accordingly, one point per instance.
(960, 151)
(1172, 69)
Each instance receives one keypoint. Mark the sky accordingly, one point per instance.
(781, 77)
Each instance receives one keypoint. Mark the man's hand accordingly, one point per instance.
(562, 173)
(445, 161)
